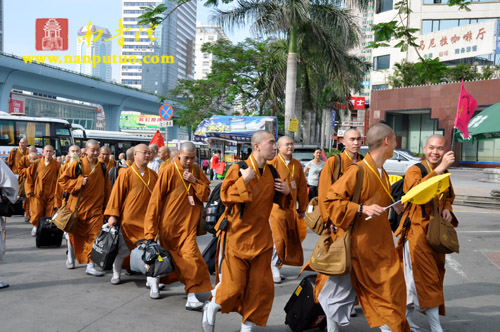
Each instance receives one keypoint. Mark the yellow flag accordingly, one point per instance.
(427, 190)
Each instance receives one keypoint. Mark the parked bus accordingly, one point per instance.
(117, 141)
(38, 131)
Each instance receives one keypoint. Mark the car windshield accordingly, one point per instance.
(304, 155)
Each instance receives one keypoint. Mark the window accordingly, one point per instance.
(210, 37)
(205, 55)
(383, 6)
(380, 86)
(381, 62)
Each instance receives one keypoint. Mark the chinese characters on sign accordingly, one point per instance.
(456, 43)
(121, 30)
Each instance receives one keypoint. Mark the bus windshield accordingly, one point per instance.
(39, 132)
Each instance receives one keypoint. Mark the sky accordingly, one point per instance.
(20, 17)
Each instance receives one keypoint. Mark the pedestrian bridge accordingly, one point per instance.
(54, 81)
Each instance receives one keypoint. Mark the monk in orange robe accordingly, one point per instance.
(332, 292)
(42, 175)
(377, 275)
(173, 214)
(74, 152)
(16, 154)
(164, 155)
(22, 169)
(127, 203)
(284, 223)
(91, 179)
(246, 282)
(424, 268)
(105, 158)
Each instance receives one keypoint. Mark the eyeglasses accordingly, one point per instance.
(145, 152)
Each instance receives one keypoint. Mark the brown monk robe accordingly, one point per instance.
(128, 201)
(174, 213)
(17, 153)
(74, 153)
(424, 268)
(93, 182)
(22, 168)
(284, 222)
(246, 284)
(43, 177)
(377, 275)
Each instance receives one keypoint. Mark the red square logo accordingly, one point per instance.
(51, 34)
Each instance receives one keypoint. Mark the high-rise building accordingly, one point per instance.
(203, 61)
(136, 42)
(174, 38)
(95, 44)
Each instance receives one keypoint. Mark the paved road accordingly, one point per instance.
(45, 296)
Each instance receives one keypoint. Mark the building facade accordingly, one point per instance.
(1, 25)
(203, 61)
(174, 38)
(88, 47)
(137, 41)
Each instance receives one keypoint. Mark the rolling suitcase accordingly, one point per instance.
(302, 313)
(209, 254)
(47, 233)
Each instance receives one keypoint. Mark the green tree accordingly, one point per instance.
(247, 74)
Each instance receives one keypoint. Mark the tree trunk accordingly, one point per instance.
(328, 124)
(298, 113)
(307, 127)
(322, 133)
(291, 79)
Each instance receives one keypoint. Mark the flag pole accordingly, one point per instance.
(453, 133)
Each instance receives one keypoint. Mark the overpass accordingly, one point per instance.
(55, 81)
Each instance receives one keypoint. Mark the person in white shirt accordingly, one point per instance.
(155, 161)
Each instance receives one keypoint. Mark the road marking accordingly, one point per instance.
(476, 211)
(456, 266)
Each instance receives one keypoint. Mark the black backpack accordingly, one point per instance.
(397, 193)
(215, 208)
(113, 173)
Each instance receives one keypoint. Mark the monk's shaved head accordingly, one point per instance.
(32, 148)
(376, 135)
(259, 136)
(91, 142)
(140, 147)
(188, 147)
(436, 136)
(105, 148)
(283, 140)
(33, 156)
(130, 154)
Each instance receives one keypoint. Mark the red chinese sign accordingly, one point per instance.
(51, 34)
(16, 107)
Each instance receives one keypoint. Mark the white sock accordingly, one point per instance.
(332, 325)
(385, 328)
(212, 311)
(153, 284)
(192, 297)
(90, 266)
(117, 268)
(247, 326)
(433, 315)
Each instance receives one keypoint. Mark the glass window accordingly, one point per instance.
(381, 62)
(380, 86)
(383, 6)
(464, 22)
(435, 25)
(426, 26)
(7, 132)
(448, 24)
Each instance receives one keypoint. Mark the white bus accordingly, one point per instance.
(38, 131)
(117, 141)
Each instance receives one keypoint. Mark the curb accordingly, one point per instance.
(477, 201)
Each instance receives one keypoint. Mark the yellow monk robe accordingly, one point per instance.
(42, 178)
(128, 201)
(58, 195)
(163, 164)
(170, 215)
(109, 165)
(284, 223)
(247, 285)
(94, 198)
(427, 265)
(377, 274)
(324, 184)
(14, 155)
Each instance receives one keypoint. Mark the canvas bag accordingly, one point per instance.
(441, 235)
(313, 217)
(65, 219)
(331, 257)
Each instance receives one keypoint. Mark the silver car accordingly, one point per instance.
(400, 162)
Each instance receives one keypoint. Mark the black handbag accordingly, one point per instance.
(6, 209)
(105, 248)
(156, 260)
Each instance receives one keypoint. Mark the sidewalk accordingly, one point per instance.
(469, 182)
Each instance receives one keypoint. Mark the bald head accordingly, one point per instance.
(352, 141)
(437, 137)
(91, 142)
(188, 147)
(263, 146)
(33, 156)
(164, 153)
(130, 154)
(377, 134)
(23, 144)
(286, 146)
(140, 147)
(32, 148)
(259, 136)
(142, 155)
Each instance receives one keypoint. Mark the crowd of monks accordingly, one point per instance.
(159, 196)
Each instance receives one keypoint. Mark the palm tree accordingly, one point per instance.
(324, 25)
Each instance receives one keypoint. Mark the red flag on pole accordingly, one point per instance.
(157, 139)
(466, 107)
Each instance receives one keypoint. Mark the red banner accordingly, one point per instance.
(16, 107)
(157, 139)
(466, 107)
